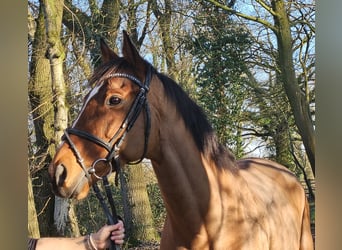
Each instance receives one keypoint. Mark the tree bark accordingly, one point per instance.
(137, 208)
(40, 98)
(282, 144)
(297, 99)
(39, 90)
(32, 220)
(164, 21)
(102, 22)
(53, 10)
(53, 21)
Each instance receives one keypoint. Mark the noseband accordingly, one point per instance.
(114, 144)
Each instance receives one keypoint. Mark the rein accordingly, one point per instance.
(114, 144)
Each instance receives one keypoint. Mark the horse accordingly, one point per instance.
(212, 200)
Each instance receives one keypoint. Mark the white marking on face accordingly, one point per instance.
(93, 92)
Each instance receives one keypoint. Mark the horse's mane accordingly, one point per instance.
(197, 123)
(193, 115)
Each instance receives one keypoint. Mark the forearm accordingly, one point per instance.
(95, 241)
(78, 243)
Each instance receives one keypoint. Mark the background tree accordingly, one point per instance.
(138, 216)
(88, 21)
(219, 47)
(281, 28)
(41, 135)
(273, 122)
(163, 14)
(33, 225)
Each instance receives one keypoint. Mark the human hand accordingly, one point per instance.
(103, 236)
(118, 234)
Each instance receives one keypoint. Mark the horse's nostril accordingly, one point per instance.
(60, 174)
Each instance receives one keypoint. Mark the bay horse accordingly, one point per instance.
(213, 201)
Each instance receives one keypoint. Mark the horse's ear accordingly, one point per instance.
(107, 53)
(131, 53)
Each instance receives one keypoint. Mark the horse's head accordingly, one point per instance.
(112, 127)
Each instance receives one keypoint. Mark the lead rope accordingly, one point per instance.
(112, 217)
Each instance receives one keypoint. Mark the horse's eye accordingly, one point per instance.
(114, 100)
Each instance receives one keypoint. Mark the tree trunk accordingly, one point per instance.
(32, 220)
(53, 10)
(56, 54)
(164, 21)
(282, 144)
(137, 208)
(299, 105)
(111, 20)
(40, 98)
(39, 90)
(101, 22)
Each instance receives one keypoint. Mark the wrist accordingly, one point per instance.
(90, 243)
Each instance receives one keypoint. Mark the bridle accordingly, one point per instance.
(114, 144)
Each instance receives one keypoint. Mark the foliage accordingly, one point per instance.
(157, 205)
(219, 47)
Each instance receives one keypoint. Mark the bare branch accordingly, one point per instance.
(266, 7)
(242, 15)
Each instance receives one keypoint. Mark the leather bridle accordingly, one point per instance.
(114, 144)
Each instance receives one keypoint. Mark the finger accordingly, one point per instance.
(117, 225)
(119, 242)
(117, 236)
(118, 239)
(118, 231)
(113, 228)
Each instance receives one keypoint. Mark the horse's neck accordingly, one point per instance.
(189, 184)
